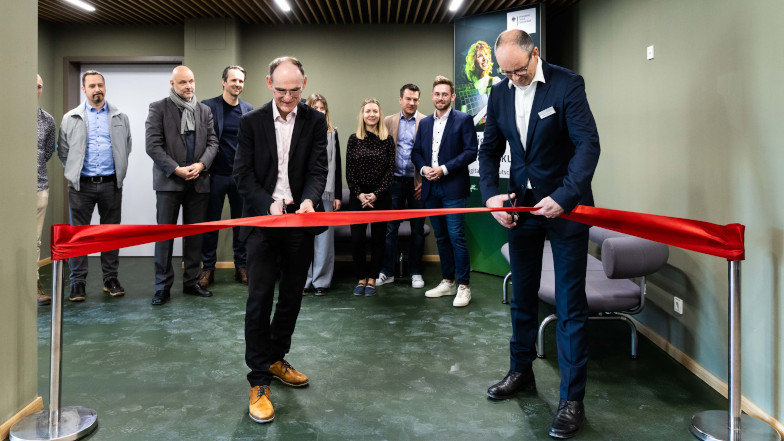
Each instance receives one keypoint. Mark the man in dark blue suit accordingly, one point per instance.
(542, 112)
(227, 109)
(444, 146)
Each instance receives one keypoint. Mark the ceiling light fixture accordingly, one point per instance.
(79, 3)
(284, 5)
(455, 5)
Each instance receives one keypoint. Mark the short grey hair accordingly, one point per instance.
(280, 60)
(517, 37)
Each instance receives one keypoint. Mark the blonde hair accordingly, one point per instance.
(381, 128)
(319, 98)
(470, 67)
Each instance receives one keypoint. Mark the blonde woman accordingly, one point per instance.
(323, 265)
(479, 65)
(370, 159)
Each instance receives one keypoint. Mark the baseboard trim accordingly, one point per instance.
(425, 258)
(709, 378)
(36, 405)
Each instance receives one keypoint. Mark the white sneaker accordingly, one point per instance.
(463, 296)
(383, 279)
(417, 281)
(443, 289)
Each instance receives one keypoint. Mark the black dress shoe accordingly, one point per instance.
(77, 293)
(568, 419)
(321, 291)
(160, 297)
(513, 383)
(196, 290)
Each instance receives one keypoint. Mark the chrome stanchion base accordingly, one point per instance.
(714, 425)
(75, 422)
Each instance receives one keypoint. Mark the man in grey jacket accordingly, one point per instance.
(181, 141)
(94, 145)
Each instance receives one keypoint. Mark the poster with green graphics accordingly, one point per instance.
(475, 73)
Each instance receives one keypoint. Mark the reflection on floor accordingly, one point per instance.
(396, 366)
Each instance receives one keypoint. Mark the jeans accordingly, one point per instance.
(402, 193)
(220, 187)
(450, 236)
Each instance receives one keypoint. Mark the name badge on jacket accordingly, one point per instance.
(546, 112)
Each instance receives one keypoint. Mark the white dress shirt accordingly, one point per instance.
(524, 101)
(438, 132)
(283, 130)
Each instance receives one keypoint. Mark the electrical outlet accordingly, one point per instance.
(677, 305)
(649, 52)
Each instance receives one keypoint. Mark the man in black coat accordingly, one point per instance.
(280, 167)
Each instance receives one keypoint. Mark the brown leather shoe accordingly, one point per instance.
(207, 278)
(286, 374)
(241, 275)
(43, 299)
(260, 407)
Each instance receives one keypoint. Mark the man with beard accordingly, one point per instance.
(181, 142)
(227, 109)
(444, 147)
(94, 145)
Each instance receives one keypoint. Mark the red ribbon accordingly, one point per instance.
(718, 240)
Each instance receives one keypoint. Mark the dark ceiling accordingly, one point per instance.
(267, 12)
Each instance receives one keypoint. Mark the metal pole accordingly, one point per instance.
(719, 425)
(734, 350)
(58, 424)
(55, 358)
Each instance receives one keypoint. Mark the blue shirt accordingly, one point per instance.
(406, 130)
(98, 158)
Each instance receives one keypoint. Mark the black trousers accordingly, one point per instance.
(194, 210)
(108, 198)
(378, 238)
(273, 252)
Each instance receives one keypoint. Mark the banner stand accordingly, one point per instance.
(732, 425)
(61, 424)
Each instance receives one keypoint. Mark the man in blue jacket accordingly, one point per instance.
(227, 109)
(542, 112)
(444, 146)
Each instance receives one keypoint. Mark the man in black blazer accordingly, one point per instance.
(542, 112)
(227, 109)
(181, 141)
(280, 167)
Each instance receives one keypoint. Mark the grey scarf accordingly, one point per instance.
(188, 120)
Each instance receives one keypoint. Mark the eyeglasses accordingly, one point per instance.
(522, 71)
(284, 92)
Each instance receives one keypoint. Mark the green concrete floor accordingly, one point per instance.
(394, 367)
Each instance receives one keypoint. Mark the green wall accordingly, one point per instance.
(337, 66)
(18, 310)
(695, 133)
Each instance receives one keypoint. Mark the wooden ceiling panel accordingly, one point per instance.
(302, 12)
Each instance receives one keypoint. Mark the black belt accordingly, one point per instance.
(98, 179)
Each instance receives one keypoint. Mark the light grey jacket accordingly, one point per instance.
(72, 143)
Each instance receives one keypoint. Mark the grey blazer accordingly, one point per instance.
(166, 146)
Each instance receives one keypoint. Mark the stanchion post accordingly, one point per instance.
(69, 423)
(732, 425)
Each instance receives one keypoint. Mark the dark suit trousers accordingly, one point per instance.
(108, 198)
(194, 209)
(220, 187)
(271, 252)
(526, 242)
